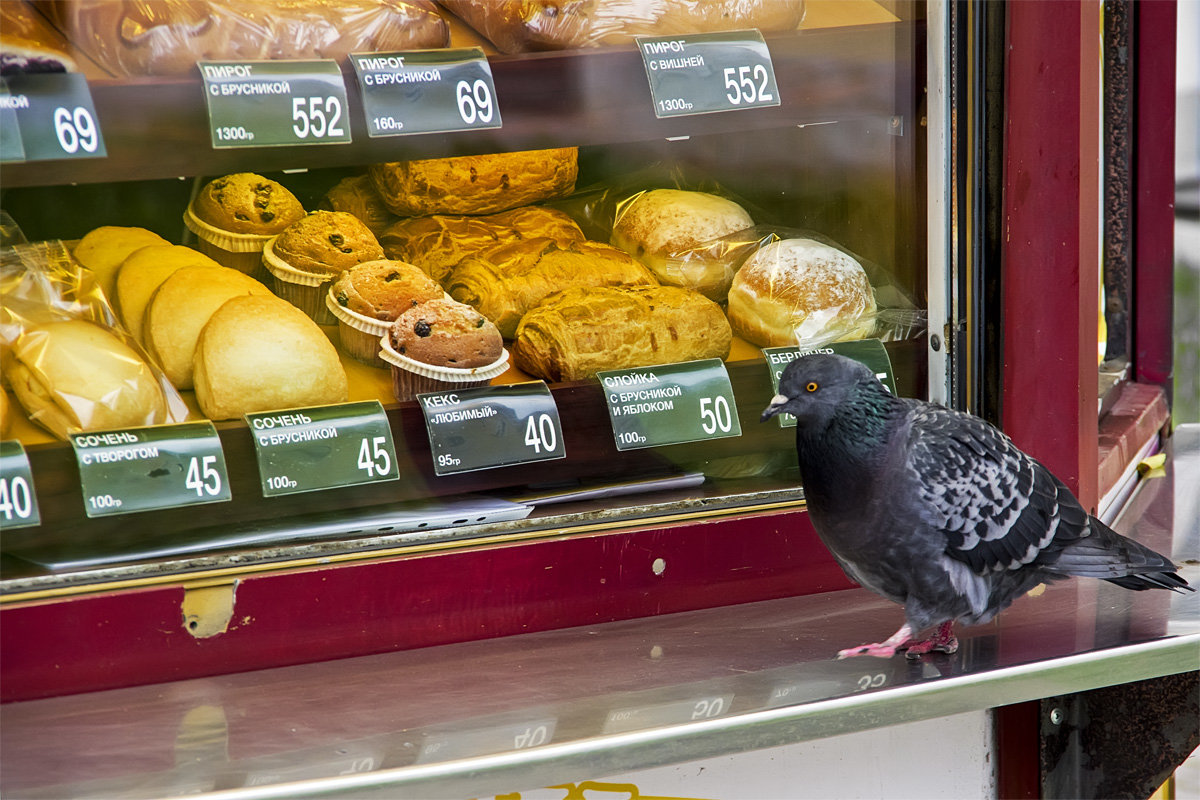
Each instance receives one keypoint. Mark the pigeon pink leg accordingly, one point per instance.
(943, 641)
(880, 649)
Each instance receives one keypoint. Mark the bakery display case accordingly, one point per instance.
(345, 340)
(839, 157)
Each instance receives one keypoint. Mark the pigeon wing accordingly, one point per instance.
(998, 508)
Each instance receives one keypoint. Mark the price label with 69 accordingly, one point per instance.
(48, 116)
(426, 91)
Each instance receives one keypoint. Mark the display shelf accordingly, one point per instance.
(158, 128)
(487, 717)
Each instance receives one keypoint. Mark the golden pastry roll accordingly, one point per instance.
(179, 310)
(438, 243)
(74, 375)
(579, 332)
(261, 353)
(481, 184)
(505, 282)
(143, 272)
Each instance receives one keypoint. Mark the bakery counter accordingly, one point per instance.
(596, 701)
(158, 127)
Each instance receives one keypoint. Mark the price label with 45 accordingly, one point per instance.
(141, 469)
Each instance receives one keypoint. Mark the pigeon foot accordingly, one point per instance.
(944, 641)
(887, 649)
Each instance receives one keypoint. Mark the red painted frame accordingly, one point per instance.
(137, 636)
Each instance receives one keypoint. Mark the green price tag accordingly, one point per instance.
(142, 469)
(18, 501)
(869, 351)
(670, 404)
(48, 116)
(267, 103)
(426, 91)
(492, 426)
(306, 449)
(706, 72)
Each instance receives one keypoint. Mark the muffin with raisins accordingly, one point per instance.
(366, 298)
(233, 217)
(442, 344)
(312, 252)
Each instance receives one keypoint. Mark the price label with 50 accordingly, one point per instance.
(670, 404)
(48, 116)
(266, 103)
(426, 91)
(707, 72)
(141, 469)
(492, 426)
(306, 449)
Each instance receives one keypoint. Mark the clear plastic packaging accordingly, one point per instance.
(518, 26)
(68, 361)
(168, 37)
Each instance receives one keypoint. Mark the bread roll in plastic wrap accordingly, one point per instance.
(517, 26)
(168, 37)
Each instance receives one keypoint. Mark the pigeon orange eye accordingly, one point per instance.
(812, 386)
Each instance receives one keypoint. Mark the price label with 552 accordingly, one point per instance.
(142, 469)
(426, 91)
(266, 103)
(706, 72)
(48, 116)
(306, 449)
(492, 426)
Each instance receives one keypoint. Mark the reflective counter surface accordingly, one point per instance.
(517, 713)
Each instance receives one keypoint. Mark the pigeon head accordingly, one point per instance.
(813, 387)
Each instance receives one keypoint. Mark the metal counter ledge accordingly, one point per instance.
(518, 713)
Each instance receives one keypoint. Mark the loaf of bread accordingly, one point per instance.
(181, 307)
(437, 244)
(509, 280)
(168, 37)
(260, 353)
(475, 184)
(29, 46)
(103, 249)
(799, 291)
(142, 273)
(579, 332)
(659, 227)
(73, 375)
(518, 26)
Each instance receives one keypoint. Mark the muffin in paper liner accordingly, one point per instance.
(241, 251)
(359, 334)
(305, 290)
(410, 378)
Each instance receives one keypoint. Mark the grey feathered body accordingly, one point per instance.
(940, 512)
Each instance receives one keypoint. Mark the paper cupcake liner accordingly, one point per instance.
(305, 290)
(240, 251)
(410, 378)
(359, 333)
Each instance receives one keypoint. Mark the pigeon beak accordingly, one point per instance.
(776, 405)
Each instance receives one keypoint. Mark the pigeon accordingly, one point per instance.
(936, 509)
